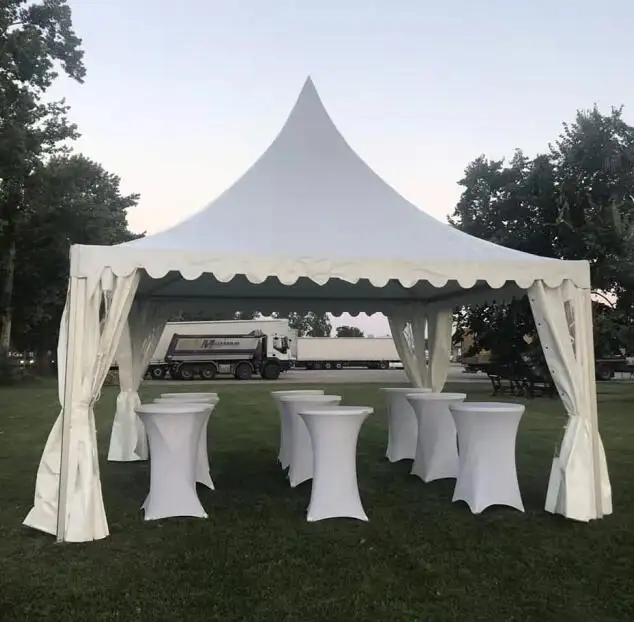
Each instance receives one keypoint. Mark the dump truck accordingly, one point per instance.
(340, 352)
(242, 356)
(274, 329)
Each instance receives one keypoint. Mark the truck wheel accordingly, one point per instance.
(158, 373)
(604, 373)
(186, 372)
(244, 371)
(327, 365)
(384, 365)
(208, 371)
(271, 371)
(338, 365)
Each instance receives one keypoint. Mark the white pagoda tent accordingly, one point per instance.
(308, 227)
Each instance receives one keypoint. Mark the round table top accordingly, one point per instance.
(488, 407)
(172, 408)
(211, 398)
(308, 397)
(297, 392)
(179, 396)
(338, 410)
(438, 397)
(406, 390)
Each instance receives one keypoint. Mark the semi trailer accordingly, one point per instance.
(278, 341)
(340, 352)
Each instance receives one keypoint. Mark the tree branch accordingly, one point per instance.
(610, 304)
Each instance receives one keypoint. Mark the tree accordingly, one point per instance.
(71, 200)
(36, 39)
(574, 202)
(348, 331)
(205, 316)
(308, 324)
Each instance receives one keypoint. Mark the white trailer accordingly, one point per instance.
(340, 352)
(276, 331)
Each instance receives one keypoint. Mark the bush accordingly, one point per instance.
(10, 371)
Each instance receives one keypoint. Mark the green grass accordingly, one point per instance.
(420, 557)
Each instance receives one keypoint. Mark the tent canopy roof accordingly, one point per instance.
(311, 209)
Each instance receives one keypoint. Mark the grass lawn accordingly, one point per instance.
(419, 558)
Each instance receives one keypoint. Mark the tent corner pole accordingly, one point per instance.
(76, 293)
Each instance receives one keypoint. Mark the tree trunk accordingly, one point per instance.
(6, 295)
(43, 364)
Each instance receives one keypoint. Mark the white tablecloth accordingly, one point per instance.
(402, 424)
(173, 433)
(203, 470)
(284, 453)
(334, 432)
(301, 448)
(436, 448)
(486, 439)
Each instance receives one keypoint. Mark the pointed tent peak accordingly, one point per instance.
(309, 89)
(311, 174)
(309, 129)
(309, 105)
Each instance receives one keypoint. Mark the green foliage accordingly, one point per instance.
(35, 39)
(36, 42)
(72, 200)
(348, 331)
(10, 372)
(308, 324)
(206, 316)
(574, 202)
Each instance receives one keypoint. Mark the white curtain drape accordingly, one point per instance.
(439, 325)
(579, 486)
(68, 501)
(398, 320)
(420, 320)
(141, 334)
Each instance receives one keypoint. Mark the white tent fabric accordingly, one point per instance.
(254, 230)
(564, 323)
(250, 249)
(429, 324)
(68, 500)
(413, 361)
(439, 323)
(141, 334)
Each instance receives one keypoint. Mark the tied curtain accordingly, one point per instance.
(68, 500)
(579, 486)
(409, 326)
(140, 336)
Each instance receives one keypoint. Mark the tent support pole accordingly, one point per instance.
(594, 415)
(76, 294)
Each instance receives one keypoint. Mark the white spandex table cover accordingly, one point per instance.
(486, 437)
(437, 448)
(173, 433)
(284, 453)
(203, 470)
(334, 432)
(402, 424)
(298, 438)
(180, 396)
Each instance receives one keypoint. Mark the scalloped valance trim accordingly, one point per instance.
(92, 261)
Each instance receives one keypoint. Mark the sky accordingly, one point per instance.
(181, 98)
